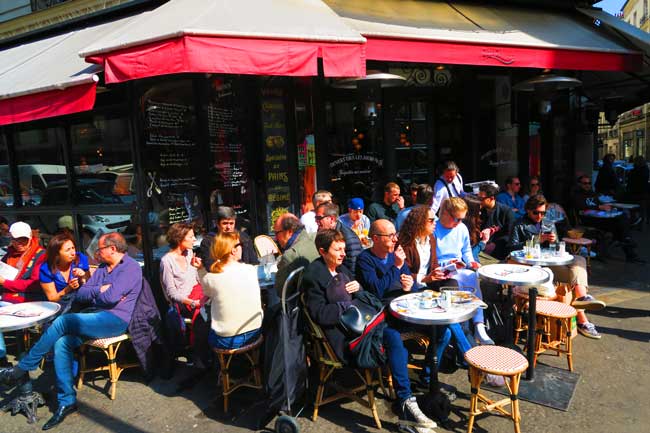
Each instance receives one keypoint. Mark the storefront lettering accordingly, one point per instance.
(357, 157)
(281, 176)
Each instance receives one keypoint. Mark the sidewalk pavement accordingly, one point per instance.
(611, 396)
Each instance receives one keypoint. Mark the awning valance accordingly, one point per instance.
(260, 37)
(490, 35)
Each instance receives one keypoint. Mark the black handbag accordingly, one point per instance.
(355, 318)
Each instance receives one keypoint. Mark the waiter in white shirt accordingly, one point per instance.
(449, 184)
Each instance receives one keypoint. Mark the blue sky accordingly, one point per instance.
(611, 6)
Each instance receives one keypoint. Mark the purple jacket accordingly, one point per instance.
(120, 298)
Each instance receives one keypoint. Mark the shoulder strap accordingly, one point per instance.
(446, 186)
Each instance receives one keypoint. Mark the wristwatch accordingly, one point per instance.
(193, 304)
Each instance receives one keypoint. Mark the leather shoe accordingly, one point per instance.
(59, 416)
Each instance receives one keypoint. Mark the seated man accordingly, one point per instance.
(327, 215)
(389, 207)
(226, 222)
(511, 198)
(575, 273)
(308, 219)
(298, 249)
(382, 270)
(355, 219)
(585, 199)
(113, 291)
(497, 217)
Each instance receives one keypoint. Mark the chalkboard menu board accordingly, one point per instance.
(228, 168)
(171, 157)
(275, 155)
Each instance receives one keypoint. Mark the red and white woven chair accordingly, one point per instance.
(554, 329)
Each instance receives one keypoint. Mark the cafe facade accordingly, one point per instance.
(134, 120)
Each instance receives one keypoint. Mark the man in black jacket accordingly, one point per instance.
(497, 217)
(327, 217)
(225, 222)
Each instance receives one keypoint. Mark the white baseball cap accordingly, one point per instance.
(20, 230)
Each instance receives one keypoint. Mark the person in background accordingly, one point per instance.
(113, 291)
(298, 249)
(607, 182)
(389, 207)
(449, 184)
(511, 198)
(308, 219)
(179, 279)
(226, 222)
(25, 254)
(327, 219)
(235, 293)
(355, 219)
(498, 218)
(382, 270)
(330, 288)
(638, 187)
(478, 238)
(534, 188)
(5, 236)
(64, 272)
(424, 197)
(575, 274)
(414, 193)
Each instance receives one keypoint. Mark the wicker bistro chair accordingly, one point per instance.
(251, 352)
(265, 245)
(556, 338)
(521, 308)
(499, 361)
(110, 346)
(322, 353)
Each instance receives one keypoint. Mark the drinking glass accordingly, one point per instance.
(562, 249)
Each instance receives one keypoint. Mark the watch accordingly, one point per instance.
(193, 303)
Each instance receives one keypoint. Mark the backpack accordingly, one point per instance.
(368, 350)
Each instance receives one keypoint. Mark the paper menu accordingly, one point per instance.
(8, 272)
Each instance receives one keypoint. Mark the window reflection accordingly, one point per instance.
(6, 191)
(43, 226)
(93, 226)
(39, 154)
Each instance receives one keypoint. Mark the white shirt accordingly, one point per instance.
(424, 251)
(308, 219)
(440, 192)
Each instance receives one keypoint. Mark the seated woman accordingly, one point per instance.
(419, 244)
(235, 293)
(330, 288)
(453, 246)
(179, 279)
(534, 224)
(478, 238)
(64, 272)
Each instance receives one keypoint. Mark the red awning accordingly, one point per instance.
(51, 103)
(232, 56)
(255, 37)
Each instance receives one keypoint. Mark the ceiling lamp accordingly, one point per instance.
(372, 79)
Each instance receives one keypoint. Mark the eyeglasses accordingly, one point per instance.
(320, 217)
(483, 198)
(101, 248)
(517, 184)
(388, 235)
(538, 212)
(21, 241)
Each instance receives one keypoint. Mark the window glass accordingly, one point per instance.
(101, 156)
(44, 226)
(93, 226)
(41, 170)
(6, 191)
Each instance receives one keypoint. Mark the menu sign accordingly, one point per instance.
(172, 161)
(228, 168)
(276, 165)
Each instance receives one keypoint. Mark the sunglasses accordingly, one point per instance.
(431, 220)
(539, 212)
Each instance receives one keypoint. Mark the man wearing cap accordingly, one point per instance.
(355, 219)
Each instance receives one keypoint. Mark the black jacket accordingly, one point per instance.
(606, 181)
(248, 254)
(524, 229)
(145, 326)
(503, 217)
(352, 247)
(326, 312)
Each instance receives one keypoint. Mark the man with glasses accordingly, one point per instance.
(298, 249)
(498, 218)
(327, 218)
(382, 270)
(511, 198)
(575, 274)
(585, 199)
(308, 219)
(113, 291)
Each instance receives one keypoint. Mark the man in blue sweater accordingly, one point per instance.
(382, 270)
(113, 291)
(511, 198)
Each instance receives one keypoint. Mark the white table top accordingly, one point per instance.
(261, 278)
(547, 259)
(43, 312)
(407, 308)
(513, 275)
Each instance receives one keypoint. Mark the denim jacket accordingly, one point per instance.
(524, 229)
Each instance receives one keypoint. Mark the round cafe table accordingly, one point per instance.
(407, 308)
(15, 317)
(547, 258)
(511, 275)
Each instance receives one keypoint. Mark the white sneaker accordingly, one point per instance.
(413, 416)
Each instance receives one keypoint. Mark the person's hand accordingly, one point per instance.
(549, 237)
(438, 274)
(407, 282)
(494, 229)
(104, 288)
(78, 272)
(474, 265)
(2, 281)
(352, 287)
(400, 257)
(196, 262)
(73, 284)
(485, 234)
(400, 202)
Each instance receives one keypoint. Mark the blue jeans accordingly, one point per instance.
(455, 329)
(65, 334)
(3, 347)
(234, 342)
